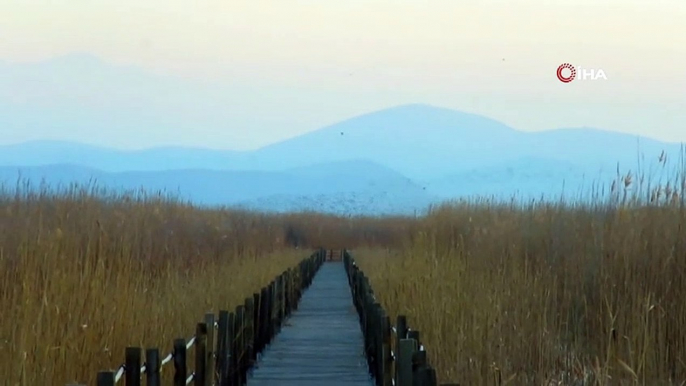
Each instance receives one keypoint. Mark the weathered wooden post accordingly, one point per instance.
(152, 367)
(400, 333)
(132, 362)
(387, 357)
(210, 375)
(202, 378)
(286, 294)
(222, 347)
(239, 345)
(378, 342)
(180, 368)
(264, 319)
(105, 378)
(272, 310)
(421, 373)
(255, 328)
(231, 349)
(249, 332)
(414, 334)
(406, 349)
(279, 303)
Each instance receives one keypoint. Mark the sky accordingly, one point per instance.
(242, 74)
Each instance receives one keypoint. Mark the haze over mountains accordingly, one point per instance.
(397, 160)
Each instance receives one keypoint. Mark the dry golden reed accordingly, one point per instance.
(82, 278)
(85, 273)
(579, 292)
(573, 293)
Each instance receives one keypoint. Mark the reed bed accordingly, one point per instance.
(583, 290)
(586, 292)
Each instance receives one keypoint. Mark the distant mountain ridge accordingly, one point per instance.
(412, 139)
(401, 157)
(41, 153)
(262, 190)
(433, 153)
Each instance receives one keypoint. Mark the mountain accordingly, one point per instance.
(433, 152)
(426, 142)
(371, 185)
(398, 157)
(79, 93)
(419, 141)
(41, 153)
(81, 96)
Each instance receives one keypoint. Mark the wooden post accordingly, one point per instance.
(291, 291)
(279, 304)
(406, 349)
(202, 378)
(377, 317)
(426, 376)
(210, 375)
(152, 367)
(105, 378)
(222, 364)
(282, 299)
(272, 310)
(420, 376)
(180, 368)
(369, 328)
(386, 347)
(401, 327)
(133, 366)
(299, 281)
(306, 272)
(263, 326)
(418, 360)
(400, 333)
(286, 294)
(309, 267)
(249, 332)
(294, 289)
(414, 334)
(240, 344)
(268, 316)
(231, 349)
(255, 328)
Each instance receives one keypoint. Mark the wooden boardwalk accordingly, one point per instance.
(321, 343)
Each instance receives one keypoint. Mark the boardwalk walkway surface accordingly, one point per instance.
(321, 343)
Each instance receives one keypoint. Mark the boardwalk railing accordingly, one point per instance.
(226, 346)
(395, 354)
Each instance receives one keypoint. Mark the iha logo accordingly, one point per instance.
(567, 73)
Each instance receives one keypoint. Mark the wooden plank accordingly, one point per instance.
(321, 343)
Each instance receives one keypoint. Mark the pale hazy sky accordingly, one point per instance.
(318, 62)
